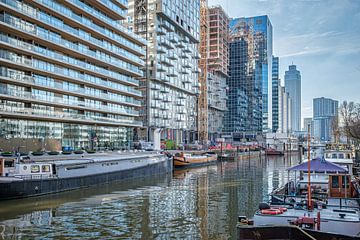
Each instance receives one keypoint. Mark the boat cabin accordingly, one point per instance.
(341, 158)
(340, 186)
(7, 167)
(35, 170)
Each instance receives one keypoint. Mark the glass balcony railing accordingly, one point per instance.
(59, 24)
(63, 116)
(56, 55)
(36, 81)
(64, 101)
(54, 5)
(34, 63)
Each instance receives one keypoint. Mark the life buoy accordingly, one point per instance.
(271, 211)
(282, 209)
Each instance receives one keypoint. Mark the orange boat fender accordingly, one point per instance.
(271, 211)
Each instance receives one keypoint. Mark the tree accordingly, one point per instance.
(350, 113)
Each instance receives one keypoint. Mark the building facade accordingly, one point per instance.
(293, 87)
(218, 62)
(325, 114)
(68, 75)
(275, 94)
(284, 111)
(309, 122)
(171, 83)
(250, 75)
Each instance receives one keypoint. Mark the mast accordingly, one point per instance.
(309, 187)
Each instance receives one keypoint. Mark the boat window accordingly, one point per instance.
(25, 168)
(45, 168)
(75, 167)
(341, 155)
(343, 181)
(335, 181)
(328, 155)
(334, 156)
(35, 168)
(348, 156)
(8, 163)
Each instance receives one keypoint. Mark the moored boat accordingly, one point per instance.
(181, 160)
(272, 151)
(24, 178)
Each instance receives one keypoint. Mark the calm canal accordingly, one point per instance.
(201, 203)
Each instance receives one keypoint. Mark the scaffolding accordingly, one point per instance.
(203, 50)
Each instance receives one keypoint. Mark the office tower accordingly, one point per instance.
(325, 112)
(307, 122)
(68, 74)
(275, 93)
(218, 62)
(284, 111)
(250, 75)
(293, 87)
(171, 84)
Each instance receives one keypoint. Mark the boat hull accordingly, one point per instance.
(181, 162)
(36, 187)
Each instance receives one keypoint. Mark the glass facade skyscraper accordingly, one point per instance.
(293, 87)
(325, 112)
(68, 74)
(250, 75)
(275, 94)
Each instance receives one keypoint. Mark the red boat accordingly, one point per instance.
(272, 151)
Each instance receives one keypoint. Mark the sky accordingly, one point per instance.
(321, 37)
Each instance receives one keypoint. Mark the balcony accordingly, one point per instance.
(63, 102)
(180, 45)
(183, 55)
(184, 71)
(197, 56)
(172, 55)
(160, 68)
(161, 31)
(54, 116)
(187, 50)
(161, 49)
(155, 86)
(167, 99)
(165, 90)
(187, 64)
(173, 73)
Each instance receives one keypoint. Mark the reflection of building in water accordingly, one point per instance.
(14, 227)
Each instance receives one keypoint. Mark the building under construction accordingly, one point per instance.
(171, 84)
(218, 64)
(214, 65)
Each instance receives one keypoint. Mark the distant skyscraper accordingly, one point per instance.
(250, 75)
(284, 111)
(275, 93)
(293, 87)
(325, 112)
(309, 121)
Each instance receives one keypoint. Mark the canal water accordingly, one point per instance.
(200, 203)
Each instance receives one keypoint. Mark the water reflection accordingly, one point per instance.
(200, 203)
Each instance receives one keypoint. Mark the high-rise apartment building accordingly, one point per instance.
(325, 112)
(275, 93)
(68, 75)
(250, 75)
(171, 84)
(293, 87)
(218, 62)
